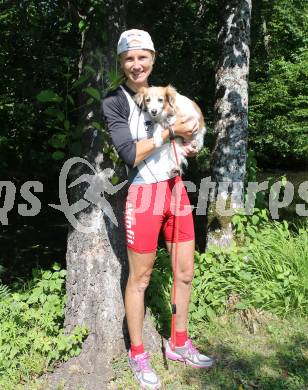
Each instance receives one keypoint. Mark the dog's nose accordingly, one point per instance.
(153, 111)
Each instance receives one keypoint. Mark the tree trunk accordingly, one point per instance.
(97, 261)
(231, 120)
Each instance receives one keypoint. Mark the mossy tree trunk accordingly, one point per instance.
(231, 120)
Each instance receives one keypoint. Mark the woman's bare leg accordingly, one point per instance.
(140, 269)
(184, 276)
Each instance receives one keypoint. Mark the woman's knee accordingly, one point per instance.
(186, 275)
(141, 280)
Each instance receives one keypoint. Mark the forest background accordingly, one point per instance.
(40, 51)
(39, 85)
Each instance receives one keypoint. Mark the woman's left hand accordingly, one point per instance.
(186, 126)
(190, 148)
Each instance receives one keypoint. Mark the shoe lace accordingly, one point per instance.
(191, 349)
(143, 362)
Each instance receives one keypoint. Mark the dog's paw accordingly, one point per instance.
(175, 172)
(190, 149)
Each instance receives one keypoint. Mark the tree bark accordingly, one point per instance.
(97, 261)
(231, 120)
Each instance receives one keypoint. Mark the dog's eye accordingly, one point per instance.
(160, 100)
(147, 100)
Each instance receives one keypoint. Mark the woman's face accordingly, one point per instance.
(137, 65)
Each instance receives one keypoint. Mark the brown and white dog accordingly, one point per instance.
(165, 105)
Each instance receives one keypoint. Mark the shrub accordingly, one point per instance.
(268, 271)
(31, 334)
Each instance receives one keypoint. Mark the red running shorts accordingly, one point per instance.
(150, 207)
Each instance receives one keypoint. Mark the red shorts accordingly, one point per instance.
(152, 206)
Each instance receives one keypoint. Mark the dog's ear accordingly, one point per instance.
(171, 95)
(139, 97)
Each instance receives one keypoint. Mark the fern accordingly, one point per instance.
(4, 291)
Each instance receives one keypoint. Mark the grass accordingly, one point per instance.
(275, 357)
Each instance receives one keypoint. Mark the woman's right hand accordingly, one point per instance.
(186, 126)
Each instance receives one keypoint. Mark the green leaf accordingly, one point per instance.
(104, 36)
(67, 75)
(48, 95)
(81, 80)
(114, 180)
(47, 275)
(82, 25)
(284, 180)
(56, 267)
(96, 125)
(89, 69)
(55, 113)
(93, 92)
(58, 140)
(210, 313)
(66, 124)
(255, 219)
(251, 231)
(58, 155)
(236, 219)
(70, 99)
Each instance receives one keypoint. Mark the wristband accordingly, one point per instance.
(171, 133)
(158, 139)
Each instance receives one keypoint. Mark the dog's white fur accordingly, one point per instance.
(165, 105)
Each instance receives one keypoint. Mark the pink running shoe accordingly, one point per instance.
(189, 355)
(143, 371)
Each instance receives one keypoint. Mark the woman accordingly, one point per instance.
(150, 205)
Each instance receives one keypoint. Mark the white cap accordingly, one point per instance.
(135, 40)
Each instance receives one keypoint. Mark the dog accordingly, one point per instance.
(165, 105)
